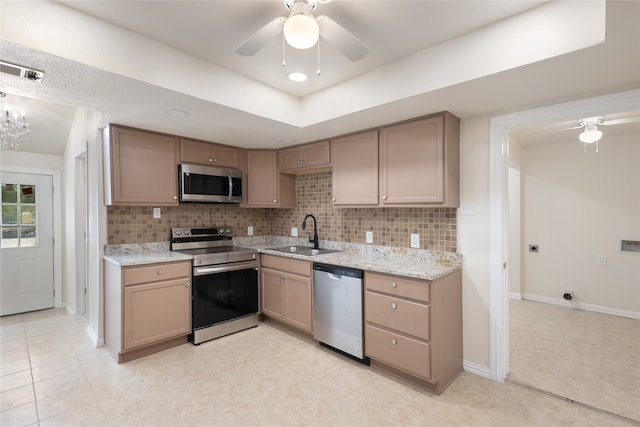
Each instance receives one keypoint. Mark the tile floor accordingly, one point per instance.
(585, 356)
(266, 376)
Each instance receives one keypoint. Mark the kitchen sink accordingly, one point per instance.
(303, 250)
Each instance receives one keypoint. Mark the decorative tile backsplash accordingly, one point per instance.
(390, 226)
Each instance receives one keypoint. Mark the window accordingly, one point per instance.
(19, 220)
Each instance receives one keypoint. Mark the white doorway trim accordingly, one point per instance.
(499, 129)
(57, 224)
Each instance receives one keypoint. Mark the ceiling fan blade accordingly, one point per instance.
(621, 121)
(341, 39)
(263, 36)
(561, 130)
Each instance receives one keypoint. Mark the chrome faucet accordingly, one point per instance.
(315, 230)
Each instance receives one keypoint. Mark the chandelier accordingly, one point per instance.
(13, 128)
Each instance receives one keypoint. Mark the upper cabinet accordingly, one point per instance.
(355, 170)
(420, 162)
(305, 157)
(414, 163)
(140, 167)
(266, 186)
(206, 153)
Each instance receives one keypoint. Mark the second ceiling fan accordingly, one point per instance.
(302, 30)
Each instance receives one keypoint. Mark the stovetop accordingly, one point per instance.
(209, 245)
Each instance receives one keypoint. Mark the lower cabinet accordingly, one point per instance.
(286, 291)
(413, 328)
(147, 308)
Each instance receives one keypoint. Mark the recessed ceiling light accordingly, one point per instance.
(297, 77)
(177, 113)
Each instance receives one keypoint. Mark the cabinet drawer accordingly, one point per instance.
(404, 316)
(156, 272)
(290, 265)
(398, 286)
(395, 349)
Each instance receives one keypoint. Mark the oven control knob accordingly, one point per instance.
(186, 232)
(228, 231)
(178, 232)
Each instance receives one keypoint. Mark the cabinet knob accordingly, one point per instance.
(275, 201)
(159, 272)
(394, 285)
(302, 162)
(175, 197)
(394, 341)
(188, 285)
(333, 199)
(384, 197)
(211, 160)
(393, 305)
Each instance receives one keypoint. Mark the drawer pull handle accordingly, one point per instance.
(394, 285)
(159, 272)
(394, 341)
(393, 305)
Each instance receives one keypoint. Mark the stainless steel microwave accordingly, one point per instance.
(209, 184)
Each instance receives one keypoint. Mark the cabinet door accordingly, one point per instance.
(316, 155)
(144, 168)
(298, 300)
(355, 170)
(290, 158)
(225, 156)
(156, 312)
(262, 179)
(412, 162)
(195, 152)
(271, 290)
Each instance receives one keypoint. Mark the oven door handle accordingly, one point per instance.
(201, 271)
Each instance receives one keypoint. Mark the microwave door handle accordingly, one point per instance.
(230, 187)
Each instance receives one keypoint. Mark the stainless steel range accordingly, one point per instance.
(225, 281)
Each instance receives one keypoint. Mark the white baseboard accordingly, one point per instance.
(474, 368)
(99, 342)
(582, 306)
(515, 295)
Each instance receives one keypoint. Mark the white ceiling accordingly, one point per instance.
(133, 60)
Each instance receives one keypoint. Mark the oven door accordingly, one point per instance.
(220, 294)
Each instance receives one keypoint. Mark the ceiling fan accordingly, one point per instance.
(302, 31)
(591, 133)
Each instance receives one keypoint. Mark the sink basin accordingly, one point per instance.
(303, 250)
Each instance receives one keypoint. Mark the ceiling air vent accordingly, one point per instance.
(20, 71)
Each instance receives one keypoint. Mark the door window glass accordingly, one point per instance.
(19, 219)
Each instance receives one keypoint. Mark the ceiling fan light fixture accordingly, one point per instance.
(590, 134)
(301, 30)
(297, 77)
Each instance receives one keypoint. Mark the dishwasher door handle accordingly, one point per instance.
(334, 276)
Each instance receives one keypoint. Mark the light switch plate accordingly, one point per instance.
(369, 236)
(294, 231)
(157, 213)
(601, 260)
(250, 230)
(467, 209)
(415, 240)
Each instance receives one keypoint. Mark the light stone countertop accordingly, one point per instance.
(144, 253)
(415, 263)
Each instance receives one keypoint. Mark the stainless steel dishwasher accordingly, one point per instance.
(337, 309)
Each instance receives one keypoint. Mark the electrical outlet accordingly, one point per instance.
(467, 209)
(250, 230)
(157, 213)
(415, 240)
(369, 237)
(294, 231)
(601, 260)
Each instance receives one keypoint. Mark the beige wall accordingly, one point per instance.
(473, 238)
(577, 206)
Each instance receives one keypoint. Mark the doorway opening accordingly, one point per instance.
(501, 231)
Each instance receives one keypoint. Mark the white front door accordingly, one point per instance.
(26, 243)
